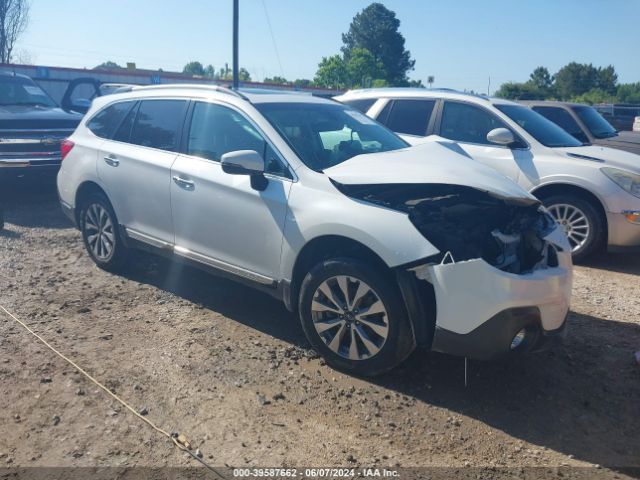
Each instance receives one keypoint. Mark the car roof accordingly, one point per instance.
(551, 103)
(254, 96)
(401, 92)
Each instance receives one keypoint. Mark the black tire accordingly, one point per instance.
(597, 225)
(399, 341)
(115, 260)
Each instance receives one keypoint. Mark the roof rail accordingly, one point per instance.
(172, 86)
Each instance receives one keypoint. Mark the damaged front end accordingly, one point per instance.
(465, 223)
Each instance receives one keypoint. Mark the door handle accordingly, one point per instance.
(184, 183)
(112, 161)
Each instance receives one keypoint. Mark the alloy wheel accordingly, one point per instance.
(99, 231)
(574, 222)
(350, 317)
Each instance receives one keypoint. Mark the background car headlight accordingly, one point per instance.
(628, 181)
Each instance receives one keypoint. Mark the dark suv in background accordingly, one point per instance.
(32, 127)
(586, 124)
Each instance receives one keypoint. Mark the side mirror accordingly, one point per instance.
(501, 136)
(245, 162)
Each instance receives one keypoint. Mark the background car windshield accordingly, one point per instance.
(596, 124)
(324, 135)
(545, 131)
(22, 91)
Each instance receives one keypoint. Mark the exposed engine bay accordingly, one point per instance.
(465, 223)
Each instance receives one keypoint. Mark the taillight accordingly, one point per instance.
(65, 147)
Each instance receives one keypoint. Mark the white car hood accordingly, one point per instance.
(433, 162)
(609, 156)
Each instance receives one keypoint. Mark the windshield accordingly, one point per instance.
(595, 122)
(22, 91)
(324, 135)
(545, 131)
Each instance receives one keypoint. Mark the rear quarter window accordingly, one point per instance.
(105, 123)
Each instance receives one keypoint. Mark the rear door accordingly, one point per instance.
(219, 219)
(468, 125)
(135, 167)
(408, 116)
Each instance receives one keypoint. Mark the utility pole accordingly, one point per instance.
(236, 12)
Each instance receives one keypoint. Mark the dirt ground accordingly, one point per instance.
(231, 369)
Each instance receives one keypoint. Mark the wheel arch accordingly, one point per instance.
(324, 247)
(83, 192)
(549, 190)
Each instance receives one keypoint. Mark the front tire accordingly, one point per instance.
(354, 317)
(581, 221)
(101, 233)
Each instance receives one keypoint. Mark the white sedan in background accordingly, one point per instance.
(592, 191)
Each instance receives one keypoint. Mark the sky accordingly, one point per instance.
(465, 44)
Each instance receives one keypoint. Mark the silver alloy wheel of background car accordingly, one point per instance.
(350, 317)
(574, 222)
(99, 231)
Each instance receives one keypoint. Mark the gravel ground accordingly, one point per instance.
(231, 369)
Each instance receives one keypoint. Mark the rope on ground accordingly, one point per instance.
(180, 441)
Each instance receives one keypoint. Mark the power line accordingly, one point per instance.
(273, 38)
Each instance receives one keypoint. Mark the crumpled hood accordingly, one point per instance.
(609, 156)
(433, 162)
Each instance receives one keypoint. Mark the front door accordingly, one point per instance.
(469, 125)
(218, 218)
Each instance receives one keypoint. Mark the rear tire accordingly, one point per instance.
(101, 233)
(582, 222)
(338, 325)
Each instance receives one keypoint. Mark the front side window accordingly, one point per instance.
(410, 116)
(216, 130)
(158, 124)
(22, 91)
(107, 121)
(324, 135)
(544, 131)
(466, 123)
(564, 120)
(595, 122)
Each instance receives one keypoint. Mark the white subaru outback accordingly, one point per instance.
(378, 247)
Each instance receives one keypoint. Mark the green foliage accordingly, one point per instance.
(363, 68)
(575, 79)
(277, 80)
(108, 65)
(332, 73)
(629, 93)
(194, 68)
(594, 96)
(376, 29)
(577, 82)
(520, 91)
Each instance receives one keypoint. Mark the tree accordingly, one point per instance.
(363, 68)
(276, 80)
(607, 79)
(227, 74)
(210, 72)
(629, 93)
(542, 80)
(520, 91)
(594, 96)
(194, 69)
(14, 17)
(332, 73)
(108, 65)
(376, 30)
